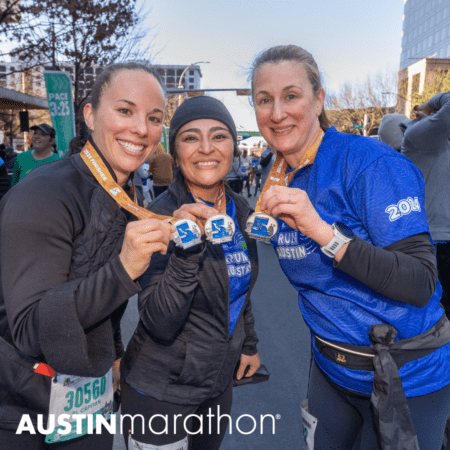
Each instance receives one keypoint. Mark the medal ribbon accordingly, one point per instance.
(220, 204)
(103, 176)
(277, 175)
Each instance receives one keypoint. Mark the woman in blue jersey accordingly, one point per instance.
(196, 322)
(353, 240)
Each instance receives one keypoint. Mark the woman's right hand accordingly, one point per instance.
(142, 239)
(197, 212)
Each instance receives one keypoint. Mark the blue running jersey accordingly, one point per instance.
(379, 194)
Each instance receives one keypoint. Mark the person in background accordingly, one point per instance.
(246, 169)
(42, 152)
(390, 132)
(266, 162)
(5, 183)
(353, 240)
(161, 166)
(426, 144)
(140, 175)
(147, 185)
(234, 176)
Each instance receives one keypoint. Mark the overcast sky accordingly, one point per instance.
(350, 39)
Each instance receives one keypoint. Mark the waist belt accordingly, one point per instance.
(384, 357)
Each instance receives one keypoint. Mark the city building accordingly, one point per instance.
(426, 31)
(171, 76)
(425, 46)
(32, 81)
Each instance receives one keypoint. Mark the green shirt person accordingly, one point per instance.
(42, 152)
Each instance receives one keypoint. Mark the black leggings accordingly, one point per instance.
(135, 403)
(345, 421)
(9, 440)
(443, 266)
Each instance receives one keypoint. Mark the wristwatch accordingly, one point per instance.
(342, 235)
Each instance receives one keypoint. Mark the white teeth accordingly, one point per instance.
(285, 129)
(207, 163)
(132, 147)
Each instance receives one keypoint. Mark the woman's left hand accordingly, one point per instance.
(253, 361)
(293, 206)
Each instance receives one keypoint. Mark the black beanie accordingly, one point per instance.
(201, 107)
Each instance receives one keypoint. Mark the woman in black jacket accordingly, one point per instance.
(68, 263)
(195, 313)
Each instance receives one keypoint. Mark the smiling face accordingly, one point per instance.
(287, 111)
(204, 150)
(41, 142)
(127, 124)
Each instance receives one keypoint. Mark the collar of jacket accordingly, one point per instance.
(85, 169)
(179, 191)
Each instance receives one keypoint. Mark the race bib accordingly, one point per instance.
(79, 395)
(309, 424)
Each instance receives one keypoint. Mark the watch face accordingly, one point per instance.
(344, 229)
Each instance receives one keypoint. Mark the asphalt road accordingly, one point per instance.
(284, 349)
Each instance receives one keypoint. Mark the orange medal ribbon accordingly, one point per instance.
(220, 227)
(103, 176)
(220, 204)
(277, 175)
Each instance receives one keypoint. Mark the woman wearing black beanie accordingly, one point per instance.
(195, 322)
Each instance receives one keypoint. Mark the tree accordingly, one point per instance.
(348, 107)
(79, 33)
(171, 107)
(9, 11)
(435, 82)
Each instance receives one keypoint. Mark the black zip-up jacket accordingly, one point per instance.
(63, 287)
(181, 351)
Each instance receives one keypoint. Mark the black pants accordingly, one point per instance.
(443, 266)
(9, 440)
(135, 403)
(345, 421)
(235, 184)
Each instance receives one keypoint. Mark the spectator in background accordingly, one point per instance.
(390, 132)
(161, 166)
(426, 144)
(234, 176)
(5, 183)
(246, 169)
(42, 152)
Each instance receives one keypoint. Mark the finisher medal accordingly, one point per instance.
(188, 233)
(219, 228)
(261, 226)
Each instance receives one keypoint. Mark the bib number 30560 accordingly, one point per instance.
(79, 395)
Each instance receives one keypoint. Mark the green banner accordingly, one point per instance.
(165, 139)
(60, 104)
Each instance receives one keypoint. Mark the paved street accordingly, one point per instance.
(284, 348)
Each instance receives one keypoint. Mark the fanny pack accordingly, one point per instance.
(384, 357)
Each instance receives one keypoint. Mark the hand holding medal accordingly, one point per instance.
(153, 231)
(278, 200)
(219, 227)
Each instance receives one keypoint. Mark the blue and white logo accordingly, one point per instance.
(403, 208)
